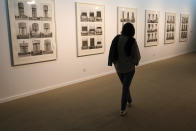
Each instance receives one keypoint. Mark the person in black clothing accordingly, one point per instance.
(125, 55)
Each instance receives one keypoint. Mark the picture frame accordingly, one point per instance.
(184, 27)
(170, 28)
(90, 29)
(33, 31)
(152, 24)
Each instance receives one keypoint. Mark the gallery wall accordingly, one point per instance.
(20, 81)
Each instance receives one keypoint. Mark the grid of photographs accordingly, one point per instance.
(184, 27)
(90, 29)
(170, 27)
(152, 28)
(33, 31)
(126, 15)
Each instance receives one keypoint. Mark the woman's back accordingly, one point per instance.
(124, 63)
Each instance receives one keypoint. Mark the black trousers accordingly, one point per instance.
(126, 79)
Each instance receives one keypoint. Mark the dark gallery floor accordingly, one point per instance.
(164, 95)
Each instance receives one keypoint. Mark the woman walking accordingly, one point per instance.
(124, 54)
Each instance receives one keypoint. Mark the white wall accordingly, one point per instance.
(25, 80)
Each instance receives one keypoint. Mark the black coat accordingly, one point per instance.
(113, 54)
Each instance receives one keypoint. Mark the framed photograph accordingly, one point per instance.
(126, 15)
(184, 27)
(152, 28)
(90, 29)
(33, 31)
(170, 28)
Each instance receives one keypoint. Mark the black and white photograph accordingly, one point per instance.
(23, 48)
(91, 16)
(33, 31)
(152, 18)
(22, 10)
(84, 16)
(99, 42)
(22, 29)
(126, 15)
(184, 27)
(98, 30)
(48, 46)
(36, 50)
(98, 16)
(170, 28)
(90, 29)
(84, 30)
(152, 28)
(34, 12)
(46, 12)
(46, 31)
(85, 43)
(89, 43)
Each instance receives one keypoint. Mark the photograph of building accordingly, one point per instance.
(152, 28)
(170, 27)
(32, 22)
(47, 47)
(24, 48)
(22, 30)
(90, 27)
(184, 27)
(21, 11)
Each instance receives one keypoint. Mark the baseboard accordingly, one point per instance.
(165, 58)
(11, 98)
(29, 93)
